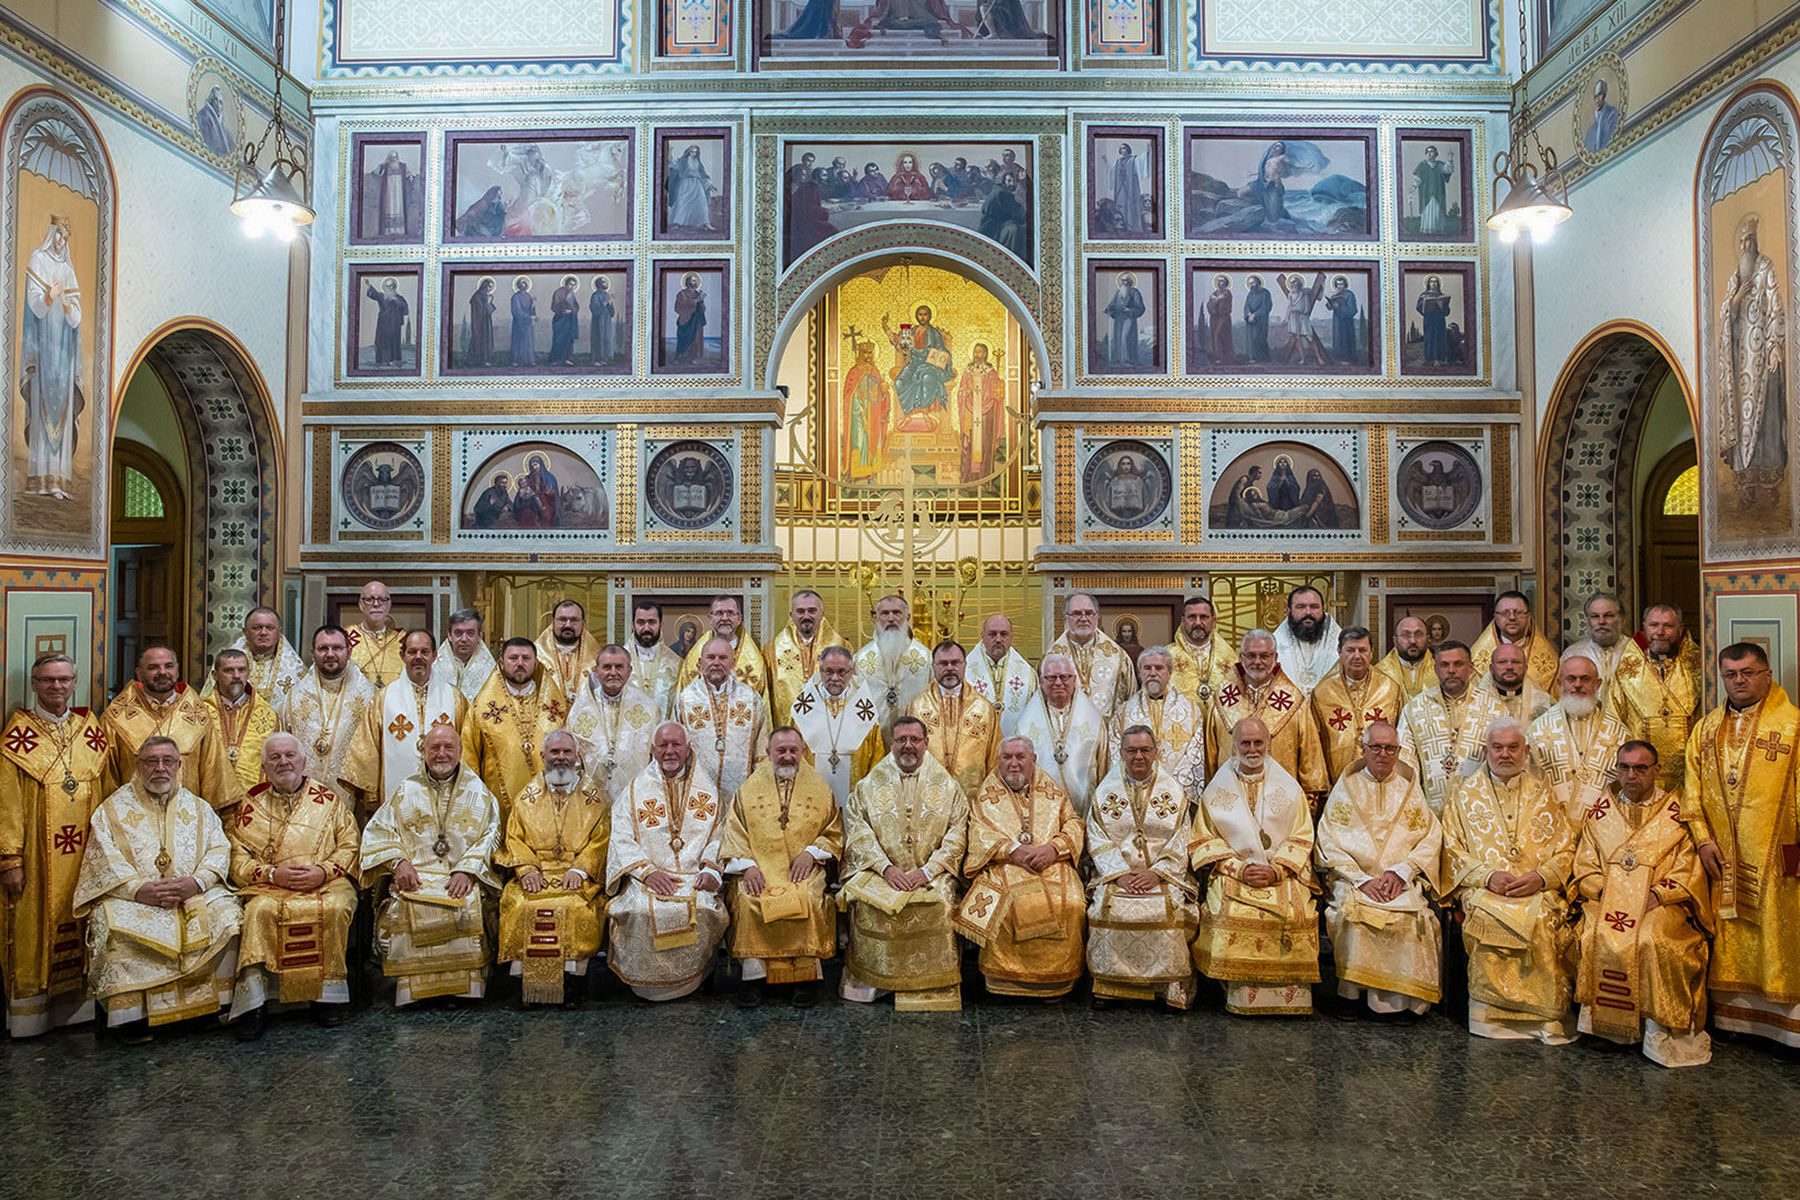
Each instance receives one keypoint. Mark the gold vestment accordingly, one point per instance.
(962, 732)
(791, 661)
(1139, 944)
(133, 717)
(750, 669)
(376, 653)
(1280, 705)
(549, 930)
(1413, 678)
(567, 665)
(1541, 658)
(790, 926)
(1342, 710)
(1659, 702)
(1027, 923)
(503, 733)
(241, 732)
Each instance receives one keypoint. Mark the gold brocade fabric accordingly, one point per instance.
(1342, 710)
(163, 958)
(1740, 794)
(1659, 702)
(441, 946)
(790, 662)
(1256, 934)
(1575, 755)
(903, 941)
(133, 717)
(299, 937)
(1180, 735)
(1200, 671)
(843, 738)
(673, 826)
(1524, 705)
(1103, 669)
(962, 732)
(654, 672)
(1637, 961)
(1070, 744)
(388, 745)
(614, 733)
(43, 827)
(1413, 678)
(553, 834)
(325, 720)
(1008, 685)
(1541, 657)
(1370, 827)
(1279, 704)
(466, 677)
(727, 729)
(503, 734)
(772, 828)
(750, 669)
(1141, 940)
(1520, 948)
(1031, 940)
(272, 677)
(376, 653)
(893, 685)
(241, 732)
(1444, 741)
(567, 665)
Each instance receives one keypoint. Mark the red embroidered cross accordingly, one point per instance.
(1667, 883)
(1340, 720)
(1619, 921)
(1600, 809)
(1281, 701)
(557, 711)
(1772, 745)
(1229, 695)
(494, 712)
(96, 740)
(1372, 716)
(21, 740)
(400, 726)
(245, 814)
(803, 703)
(69, 839)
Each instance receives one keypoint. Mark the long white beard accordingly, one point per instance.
(562, 779)
(892, 645)
(1579, 707)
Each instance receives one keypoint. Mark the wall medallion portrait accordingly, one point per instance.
(1284, 487)
(535, 486)
(1280, 184)
(1127, 484)
(215, 108)
(689, 485)
(1599, 108)
(538, 185)
(382, 486)
(1438, 485)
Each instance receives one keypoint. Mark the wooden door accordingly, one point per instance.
(149, 562)
(1671, 558)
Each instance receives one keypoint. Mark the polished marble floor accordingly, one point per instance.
(699, 1099)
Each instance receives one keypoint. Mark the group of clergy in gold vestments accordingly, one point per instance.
(1608, 859)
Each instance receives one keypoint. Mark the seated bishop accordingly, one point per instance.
(1646, 916)
(781, 833)
(1174, 720)
(962, 730)
(1379, 851)
(162, 924)
(837, 721)
(612, 720)
(663, 872)
(1508, 850)
(1142, 913)
(905, 830)
(294, 845)
(436, 837)
(1025, 906)
(1259, 931)
(555, 846)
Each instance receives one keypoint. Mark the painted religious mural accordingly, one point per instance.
(58, 292)
(982, 186)
(535, 486)
(560, 318)
(539, 185)
(920, 362)
(945, 34)
(1290, 318)
(1276, 488)
(1434, 180)
(1745, 210)
(388, 188)
(1124, 183)
(1280, 184)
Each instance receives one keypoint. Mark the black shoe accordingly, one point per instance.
(571, 995)
(329, 1016)
(132, 1033)
(251, 1025)
(806, 995)
(748, 996)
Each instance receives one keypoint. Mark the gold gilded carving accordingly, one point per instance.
(626, 486)
(1378, 485)
(1500, 479)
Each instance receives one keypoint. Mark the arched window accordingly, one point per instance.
(1683, 497)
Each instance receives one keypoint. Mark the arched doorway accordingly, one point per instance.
(1620, 408)
(908, 461)
(199, 411)
(149, 556)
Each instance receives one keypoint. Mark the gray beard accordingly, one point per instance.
(1579, 707)
(159, 791)
(1747, 264)
(786, 772)
(561, 779)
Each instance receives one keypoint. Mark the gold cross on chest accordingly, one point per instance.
(1771, 745)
